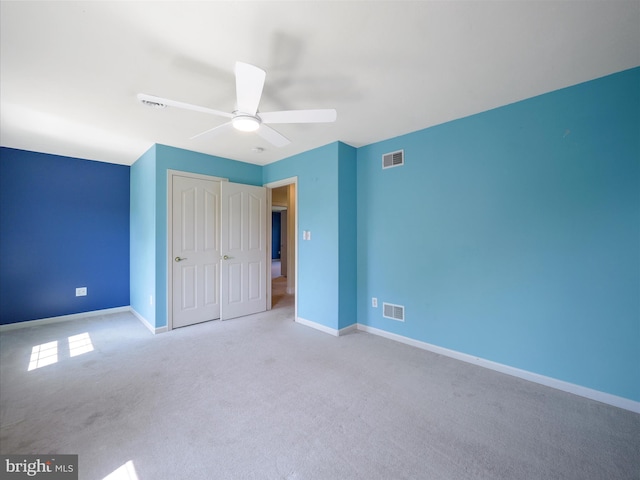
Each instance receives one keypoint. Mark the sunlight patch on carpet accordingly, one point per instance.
(48, 353)
(43, 355)
(79, 344)
(124, 472)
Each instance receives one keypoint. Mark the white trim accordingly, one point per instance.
(147, 324)
(168, 254)
(348, 330)
(620, 402)
(281, 183)
(318, 326)
(325, 329)
(62, 318)
(200, 176)
(269, 260)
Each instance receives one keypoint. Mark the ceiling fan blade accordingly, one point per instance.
(300, 116)
(151, 99)
(274, 138)
(249, 84)
(215, 130)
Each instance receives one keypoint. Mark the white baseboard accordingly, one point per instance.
(589, 393)
(317, 326)
(325, 329)
(78, 316)
(62, 318)
(147, 324)
(347, 330)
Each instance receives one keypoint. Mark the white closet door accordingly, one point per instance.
(195, 250)
(243, 250)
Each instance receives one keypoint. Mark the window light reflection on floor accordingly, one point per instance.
(124, 472)
(43, 355)
(48, 354)
(79, 344)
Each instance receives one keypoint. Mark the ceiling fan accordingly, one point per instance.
(246, 118)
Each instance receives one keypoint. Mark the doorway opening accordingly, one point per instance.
(283, 251)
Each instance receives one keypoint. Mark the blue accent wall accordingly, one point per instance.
(64, 223)
(275, 234)
(514, 235)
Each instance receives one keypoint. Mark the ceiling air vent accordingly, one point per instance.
(393, 159)
(150, 103)
(395, 312)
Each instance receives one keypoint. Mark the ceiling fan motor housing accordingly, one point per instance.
(246, 123)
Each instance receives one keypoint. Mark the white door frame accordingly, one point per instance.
(168, 256)
(271, 185)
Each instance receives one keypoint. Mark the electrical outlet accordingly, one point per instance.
(374, 302)
(81, 291)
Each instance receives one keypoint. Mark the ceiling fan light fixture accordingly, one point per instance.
(245, 123)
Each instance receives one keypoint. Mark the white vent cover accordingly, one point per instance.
(393, 159)
(395, 312)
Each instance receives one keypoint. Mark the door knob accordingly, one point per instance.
(226, 257)
(178, 259)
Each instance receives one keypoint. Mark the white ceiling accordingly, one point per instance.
(70, 71)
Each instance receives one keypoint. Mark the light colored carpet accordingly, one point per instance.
(262, 397)
(276, 268)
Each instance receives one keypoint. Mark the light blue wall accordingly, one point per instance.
(318, 258)
(514, 235)
(142, 220)
(347, 215)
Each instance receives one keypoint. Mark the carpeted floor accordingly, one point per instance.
(276, 268)
(262, 397)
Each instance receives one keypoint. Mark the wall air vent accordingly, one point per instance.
(393, 159)
(395, 312)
